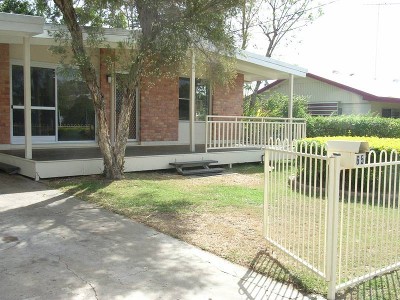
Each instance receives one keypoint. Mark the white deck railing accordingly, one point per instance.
(225, 132)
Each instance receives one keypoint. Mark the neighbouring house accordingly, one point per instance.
(61, 125)
(337, 95)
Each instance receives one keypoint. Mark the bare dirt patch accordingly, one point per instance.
(229, 178)
(228, 234)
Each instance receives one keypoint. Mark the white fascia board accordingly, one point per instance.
(20, 25)
(269, 63)
(112, 36)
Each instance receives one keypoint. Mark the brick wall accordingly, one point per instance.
(104, 85)
(159, 109)
(229, 101)
(4, 94)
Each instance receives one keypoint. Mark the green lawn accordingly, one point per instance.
(221, 214)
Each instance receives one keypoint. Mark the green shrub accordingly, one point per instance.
(314, 170)
(375, 143)
(352, 125)
(276, 106)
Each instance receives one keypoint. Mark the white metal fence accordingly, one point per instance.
(224, 132)
(343, 224)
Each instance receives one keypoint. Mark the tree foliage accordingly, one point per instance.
(30, 7)
(276, 105)
(161, 33)
(17, 7)
(279, 20)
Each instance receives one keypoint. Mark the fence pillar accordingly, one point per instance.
(332, 224)
(207, 133)
(266, 191)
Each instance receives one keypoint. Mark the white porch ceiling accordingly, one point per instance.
(258, 67)
(20, 25)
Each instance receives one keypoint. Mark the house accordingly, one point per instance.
(48, 126)
(336, 95)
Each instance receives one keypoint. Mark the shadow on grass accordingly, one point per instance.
(248, 168)
(171, 174)
(385, 287)
(256, 287)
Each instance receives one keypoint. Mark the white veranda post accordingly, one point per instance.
(192, 112)
(290, 108)
(27, 97)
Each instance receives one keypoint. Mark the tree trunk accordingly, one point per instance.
(113, 157)
(253, 97)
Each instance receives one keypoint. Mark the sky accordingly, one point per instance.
(351, 37)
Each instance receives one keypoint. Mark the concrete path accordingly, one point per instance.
(53, 246)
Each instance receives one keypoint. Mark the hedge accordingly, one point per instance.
(375, 143)
(352, 125)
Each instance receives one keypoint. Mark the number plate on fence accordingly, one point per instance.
(360, 159)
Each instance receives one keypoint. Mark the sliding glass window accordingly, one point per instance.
(202, 101)
(75, 112)
(62, 108)
(43, 101)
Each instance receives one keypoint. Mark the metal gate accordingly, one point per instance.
(343, 224)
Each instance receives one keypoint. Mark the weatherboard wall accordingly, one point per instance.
(320, 92)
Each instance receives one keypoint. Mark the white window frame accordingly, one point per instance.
(35, 139)
(18, 140)
(188, 99)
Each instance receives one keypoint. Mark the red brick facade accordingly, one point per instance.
(159, 110)
(229, 101)
(159, 103)
(4, 94)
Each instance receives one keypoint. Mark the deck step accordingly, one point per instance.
(10, 169)
(196, 167)
(195, 163)
(211, 171)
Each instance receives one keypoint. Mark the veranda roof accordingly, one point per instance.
(14, 27)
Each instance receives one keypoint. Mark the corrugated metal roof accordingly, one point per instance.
(376, 87)
(369, 89)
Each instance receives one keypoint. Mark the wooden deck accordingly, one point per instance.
(61, 162)
(94, 152)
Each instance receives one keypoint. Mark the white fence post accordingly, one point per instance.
(266, 191)
(207, 124)
(332, 224)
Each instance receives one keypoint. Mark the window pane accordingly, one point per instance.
(183, 109)
(43, 87)
(43, 122)
(202, 99)
(17, 85)
(201, 102)
(76, 116)
(184, 88)
(18, 122)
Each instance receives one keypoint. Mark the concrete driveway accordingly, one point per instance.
(53, 246)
